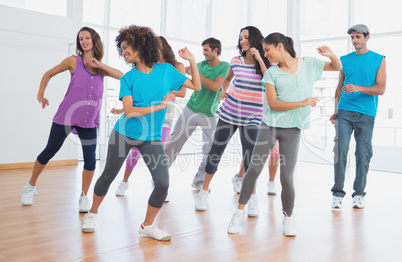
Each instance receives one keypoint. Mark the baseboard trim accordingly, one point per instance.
(69, 162)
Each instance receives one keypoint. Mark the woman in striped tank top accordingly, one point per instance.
(242, 107)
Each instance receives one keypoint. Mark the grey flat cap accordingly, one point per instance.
(359, 28)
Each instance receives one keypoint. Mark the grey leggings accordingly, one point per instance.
(184, 127)
(289, 139)
(154, 157)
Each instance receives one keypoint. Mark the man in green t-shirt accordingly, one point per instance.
(201, 107)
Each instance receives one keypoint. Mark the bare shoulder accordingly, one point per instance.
(179, 67)
(69, 63)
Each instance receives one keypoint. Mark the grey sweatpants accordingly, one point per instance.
(184, 127)
(153, 156)
(289, 139)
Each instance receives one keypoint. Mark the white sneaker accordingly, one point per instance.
(88, 225)
(235, 222)
(336, 202)
(358, 201)
(201, 200)
(271, 188)
(153, 231)
(84, 205)
(289, 229)
(237, 183)
(253, 208)
(28, 194)
(121, 189)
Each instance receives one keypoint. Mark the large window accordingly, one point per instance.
(319, 19)
(52, 7)
(383, 16)
(187, 20)
(94, 12)
(143, 13)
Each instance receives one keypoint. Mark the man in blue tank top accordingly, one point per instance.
(361, 80)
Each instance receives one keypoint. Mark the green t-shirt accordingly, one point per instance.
(206, 101)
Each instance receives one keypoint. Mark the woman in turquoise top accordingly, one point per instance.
(289, 88)
(145, 92)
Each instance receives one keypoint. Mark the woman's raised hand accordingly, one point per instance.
(325, 51)
(186, 54)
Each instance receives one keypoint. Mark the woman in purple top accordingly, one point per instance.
(79, 110)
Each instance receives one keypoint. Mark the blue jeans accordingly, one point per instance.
(362, 125)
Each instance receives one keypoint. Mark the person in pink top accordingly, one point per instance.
(78, 112)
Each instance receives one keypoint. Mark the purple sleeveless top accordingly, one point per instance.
(82, 103)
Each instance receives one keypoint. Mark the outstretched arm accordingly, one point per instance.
(278, 105)
(67, 64)
(335, 64)
(135, 111)
(195, 82)
(106, 70)
(117, 111)
(225, 86)
(213, 85)
(182, 92)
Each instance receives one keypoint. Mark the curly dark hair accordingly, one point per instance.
(255, 39)
(141, 39)
(96, 41)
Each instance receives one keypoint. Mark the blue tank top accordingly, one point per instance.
(360, 70)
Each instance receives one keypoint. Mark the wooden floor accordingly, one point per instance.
(50, 230)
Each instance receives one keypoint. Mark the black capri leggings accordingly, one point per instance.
(223, 134)
(57, 136)
(154, 156)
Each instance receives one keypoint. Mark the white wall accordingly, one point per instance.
(30, 44)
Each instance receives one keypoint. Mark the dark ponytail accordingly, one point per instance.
(276, 38)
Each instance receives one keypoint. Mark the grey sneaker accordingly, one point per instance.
(84, 205)
(121, 189)
(88, 225)
(28, 194)
(358, 201)
(153, 231)
(237, 183)
(235, 222)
